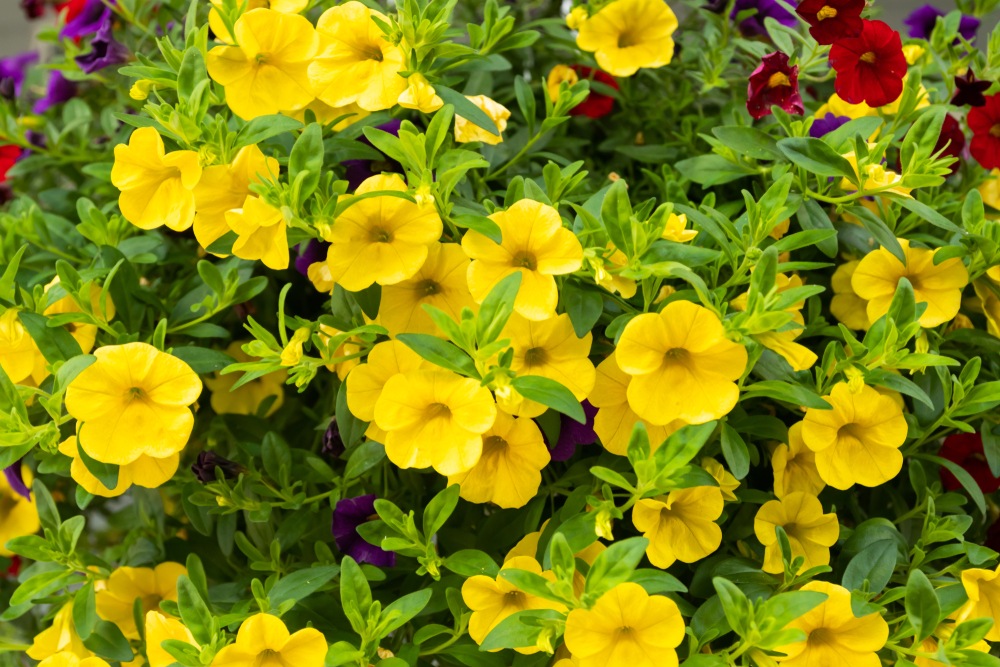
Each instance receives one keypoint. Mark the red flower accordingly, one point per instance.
(15, 567)
(832, 20)
(966, 449)
(8, 156)
(72, 7)
(774, 82)
(871, 66)
(984, 122)
(952, 140)
(597, 105)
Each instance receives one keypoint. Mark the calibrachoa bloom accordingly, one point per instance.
(597, 105)
(20, 357)
(466, 130)
(922, 20)
(60, 637)
(794, 466)
(268, 71)
(160, 628)
(681, 525)
(727, 481)
(157, 188)
(858, 440)
(626, 626)
(439, 283)
(264, 640)
(18, 514)
(145, 471)
(205, 466)
(126, 585)
(774, 82)
(810, 532)
(984, 121)
(871, 66)
(627, 35)
(824, 125)
(218, 26)
(970, 91)
(833, 634)
(682, 364)
(224, 187)
(939, 285)
(849, 308)
(761, 9)
(104, 52)
(261, 231)
(420, 95)
(966, 449)
(832, 20)
(615, 418)
(572, 434)
(133, 401)
(348, 514)
(536, 245)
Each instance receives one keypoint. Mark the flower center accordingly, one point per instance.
(627, 39)
(514, 599)
(494, 444)
(135, 393)
(428, 288)
(435, 410)
(151, 602)
(995, 131)
(268, 658)
(260, 58)
(819, 636)
(868, 57)
(525, 260)
(827, 12)
(851, 430)
(676, 355)
(380, 235)
(778, 79)
(372, 52)
(535, 356)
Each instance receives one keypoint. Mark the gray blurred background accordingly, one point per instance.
(16, 31)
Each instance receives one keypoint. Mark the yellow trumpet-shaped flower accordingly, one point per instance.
(680, 525)
(440, 283)
(626, 35)
(615, 418)
(160, 628)
(133, 401)
(18, 515)
(224, 187)
(218, 26)
(264, 640)
(676, 229)
(20, 357)
(534, 243)
(794, 466)
(145, 471)
(151, 586)
(983, 588)
(60, 637)
(85, 334)
(157, 188)
(356, 62)
(466, 131)
(262, 233)
(682, 364)
(810, 532)
(420, 95)
(727, 481)
(268, 71)
(849, 308)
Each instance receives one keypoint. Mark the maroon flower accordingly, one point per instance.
(208, 462)
(870, 67)
(970, 91)
(597, 105)
(573, 434)
(774, 82)
(333, 444)
(966, 449)
(951, 140)
(832, 20)
(347, 516)
(984, 122)
(14, 568)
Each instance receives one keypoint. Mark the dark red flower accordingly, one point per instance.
(774, 82)
(966, 449)
(15, 567)
(832, 20)
(72, 8)
(597, 105)
(8, 156)
(952, 140)
(984, 122)
(33, 9)
(870, 67)
(970, 91)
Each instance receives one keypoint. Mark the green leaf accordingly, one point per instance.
(496, 308)
(301, 584)
(480, 224)
(69, 370)
(656, 582)
(550, 394)
(748, 141)
(440, 352)
(355, 594)
(466, 109)
(884, 236)
(55, 343)
(108, 642)
(735, 451)
(735, 605)
(787, 392)
(305, 162)
(194, 611)
(816, 156)
(367, 455)
(922, 606)
(991, 447)
(8, 280)
(400, 611)
(439, 509)
(616, 214)
(85, 611)
(472, 562)
(963, 476)
(106, 473)
(614, 565)
(262, 128)
(202, 359)
(811, 216)
(682, 446)
(584, 307)
(875, 563)
(520, 629)
(927, 213)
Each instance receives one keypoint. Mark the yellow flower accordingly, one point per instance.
(615, 418)
(509, 470)
(382, 239)
(160, 628)
(913, 53)
(140, 89)
(350, 347)
(858, 441)
(20, 357)
(534, 243)
(795, 466)
(365, 383)
(262, 233)
(990, 190)
(466, 131)
(849, 308)
(85, 334)
(875, 176)
(548, 348)
(145, 471)
(434, 418)
(224, 187)
(18, 515)
(937, 285)
(833, 635)
(576, 17)
(268, 71)
(70, 659)
(942, 633)
(132, 401)
(799, 357)
(626, 35)
(493, 600)
(727, 481)
(680, 526)
(157, 188)
(676, 229)
(356, 62)
(127, 584)
(440, 282)
(559, 75)
(321, 278)
(682, 364)
(810, 532)
(613, 282)
(839, 107)
(626, 627)
(420, 95)
(264, 640)
(983, 588)
(218, 26)
(58, 638)
(991, 306)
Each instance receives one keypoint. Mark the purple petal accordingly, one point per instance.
(15, 68)
(14, 479)
(60, 89)
(105, 51)
(765, 8)
(827, 124)
(348, 514)
(572, 434)
(91, 18)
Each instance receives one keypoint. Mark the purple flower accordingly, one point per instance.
(572, 434)
(359, 170)
(94, 16)
(347, 516)
(827, 124)
(60, 89)
(765, 8)
(310, 253)
(208, 462)
(922, 20)
(105, 52)
(333, 444)
(14, 69)
(14, 479)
